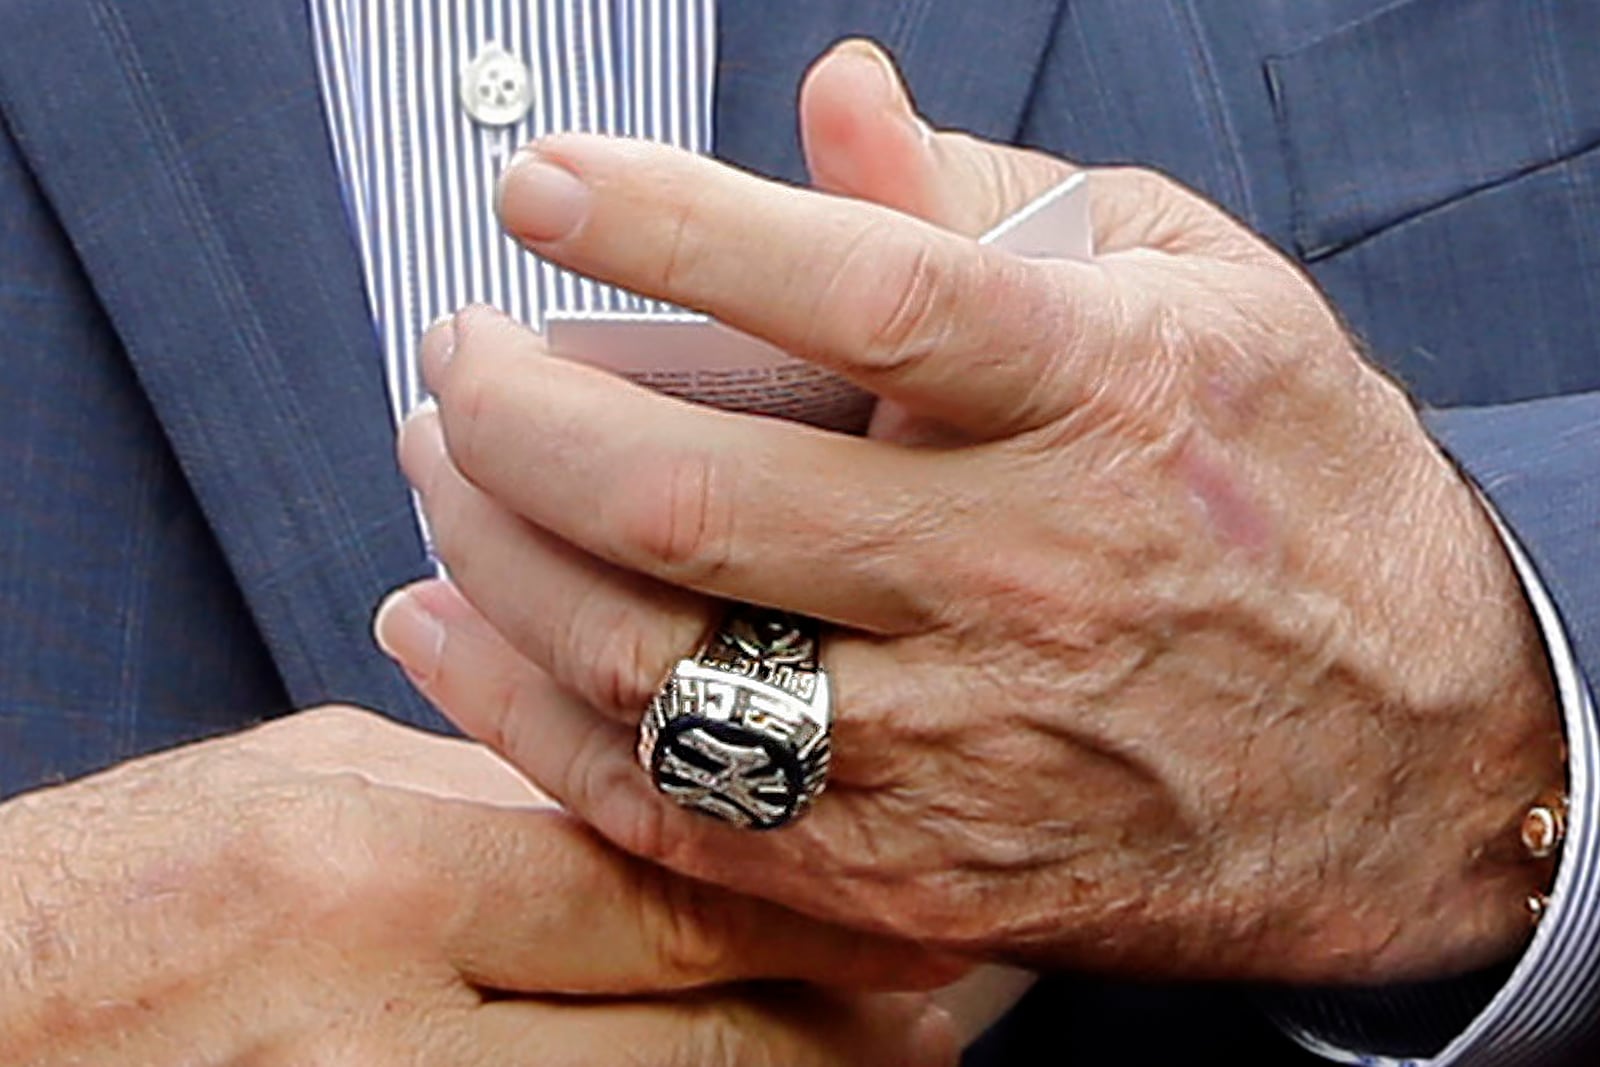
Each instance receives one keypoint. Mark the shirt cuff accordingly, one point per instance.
(1550, 1001)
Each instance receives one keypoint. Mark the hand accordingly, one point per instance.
(337, 889)
(1185, 652)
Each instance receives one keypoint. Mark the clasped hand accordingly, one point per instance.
(334, 888)
(1163, 639)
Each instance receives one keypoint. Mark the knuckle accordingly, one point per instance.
(504, 726)
(685, 248)
(611, 658)
(344, 864)
(604, 788)
(1088, 380)
(691, 946)
(1060, 338)
(319, 855)
(643, 830)
(904, 280)
(266, 852)
(681, 519)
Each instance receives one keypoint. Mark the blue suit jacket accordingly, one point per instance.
(200, 507)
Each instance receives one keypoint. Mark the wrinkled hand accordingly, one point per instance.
(336, 889)
(1178, 648)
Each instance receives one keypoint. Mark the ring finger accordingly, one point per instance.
(606, 634)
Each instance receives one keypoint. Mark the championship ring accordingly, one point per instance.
(740, 730)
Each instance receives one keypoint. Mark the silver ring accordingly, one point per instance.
(739, 730)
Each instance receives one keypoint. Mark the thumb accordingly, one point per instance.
(863, 138)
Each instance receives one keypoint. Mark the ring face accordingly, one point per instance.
(740, 732)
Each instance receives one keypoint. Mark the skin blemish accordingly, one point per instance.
(1231, 516)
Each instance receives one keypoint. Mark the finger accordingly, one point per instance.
(863, 138)
(458, 657)
(491, 693)
(607, 634)
(734, 506)
(461, 661)
(587, 762)
(540, 904)
(794, 1027)
(955, 331)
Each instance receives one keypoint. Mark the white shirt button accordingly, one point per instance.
(496, 89)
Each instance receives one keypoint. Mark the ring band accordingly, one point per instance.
(739, 730)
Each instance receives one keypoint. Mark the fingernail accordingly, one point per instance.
(894, 90)
(427, 408)
(409, 634)
(469, 317)
(540, 201)
(896, 95)
(438, 345)
(421, 445)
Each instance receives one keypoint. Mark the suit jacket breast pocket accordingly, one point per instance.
(1427, 102)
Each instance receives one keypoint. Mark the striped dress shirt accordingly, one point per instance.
(419, 171)
(419, 176)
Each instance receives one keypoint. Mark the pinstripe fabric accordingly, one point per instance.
(419, 174)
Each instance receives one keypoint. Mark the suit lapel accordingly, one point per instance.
(970, 65)
(183, 146)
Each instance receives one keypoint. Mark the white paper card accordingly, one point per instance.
(700, 359)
